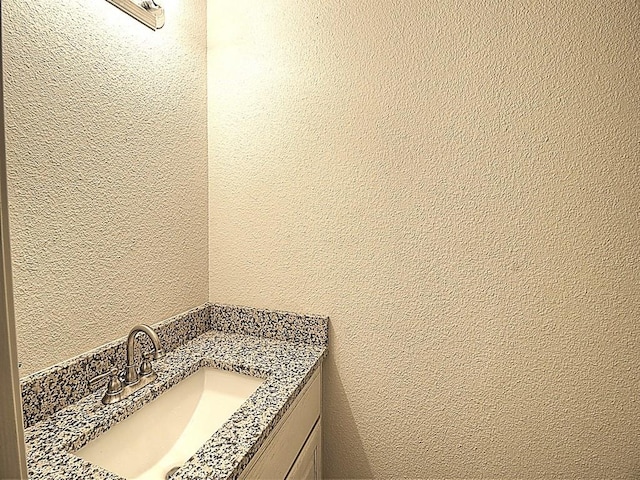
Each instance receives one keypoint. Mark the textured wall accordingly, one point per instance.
(107, 167)
(457, 185)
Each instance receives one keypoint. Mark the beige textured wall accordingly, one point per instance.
(457, 185)
(107, 168)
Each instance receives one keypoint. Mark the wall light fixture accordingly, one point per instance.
(145, 11)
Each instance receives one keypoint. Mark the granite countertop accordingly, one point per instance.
(285, 365)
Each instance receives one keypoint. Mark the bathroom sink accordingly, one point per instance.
(167, 431)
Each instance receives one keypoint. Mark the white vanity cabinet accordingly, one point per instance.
(294, 449)
(308, 466)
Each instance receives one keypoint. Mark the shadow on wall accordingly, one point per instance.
(341, 439)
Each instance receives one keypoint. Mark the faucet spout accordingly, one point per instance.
(131, 375)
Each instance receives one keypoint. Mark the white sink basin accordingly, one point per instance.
(167, 431)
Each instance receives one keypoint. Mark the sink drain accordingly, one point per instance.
(171, 472)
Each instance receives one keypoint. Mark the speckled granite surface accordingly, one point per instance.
(286, 359)
(270, 324)
(49, 390)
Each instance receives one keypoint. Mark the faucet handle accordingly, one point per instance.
(114, 386)
(145, 366)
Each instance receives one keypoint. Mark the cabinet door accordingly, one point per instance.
(308, 465)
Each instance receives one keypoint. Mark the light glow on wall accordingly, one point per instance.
(238, 64)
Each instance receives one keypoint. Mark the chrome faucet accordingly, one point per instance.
(121, 386)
